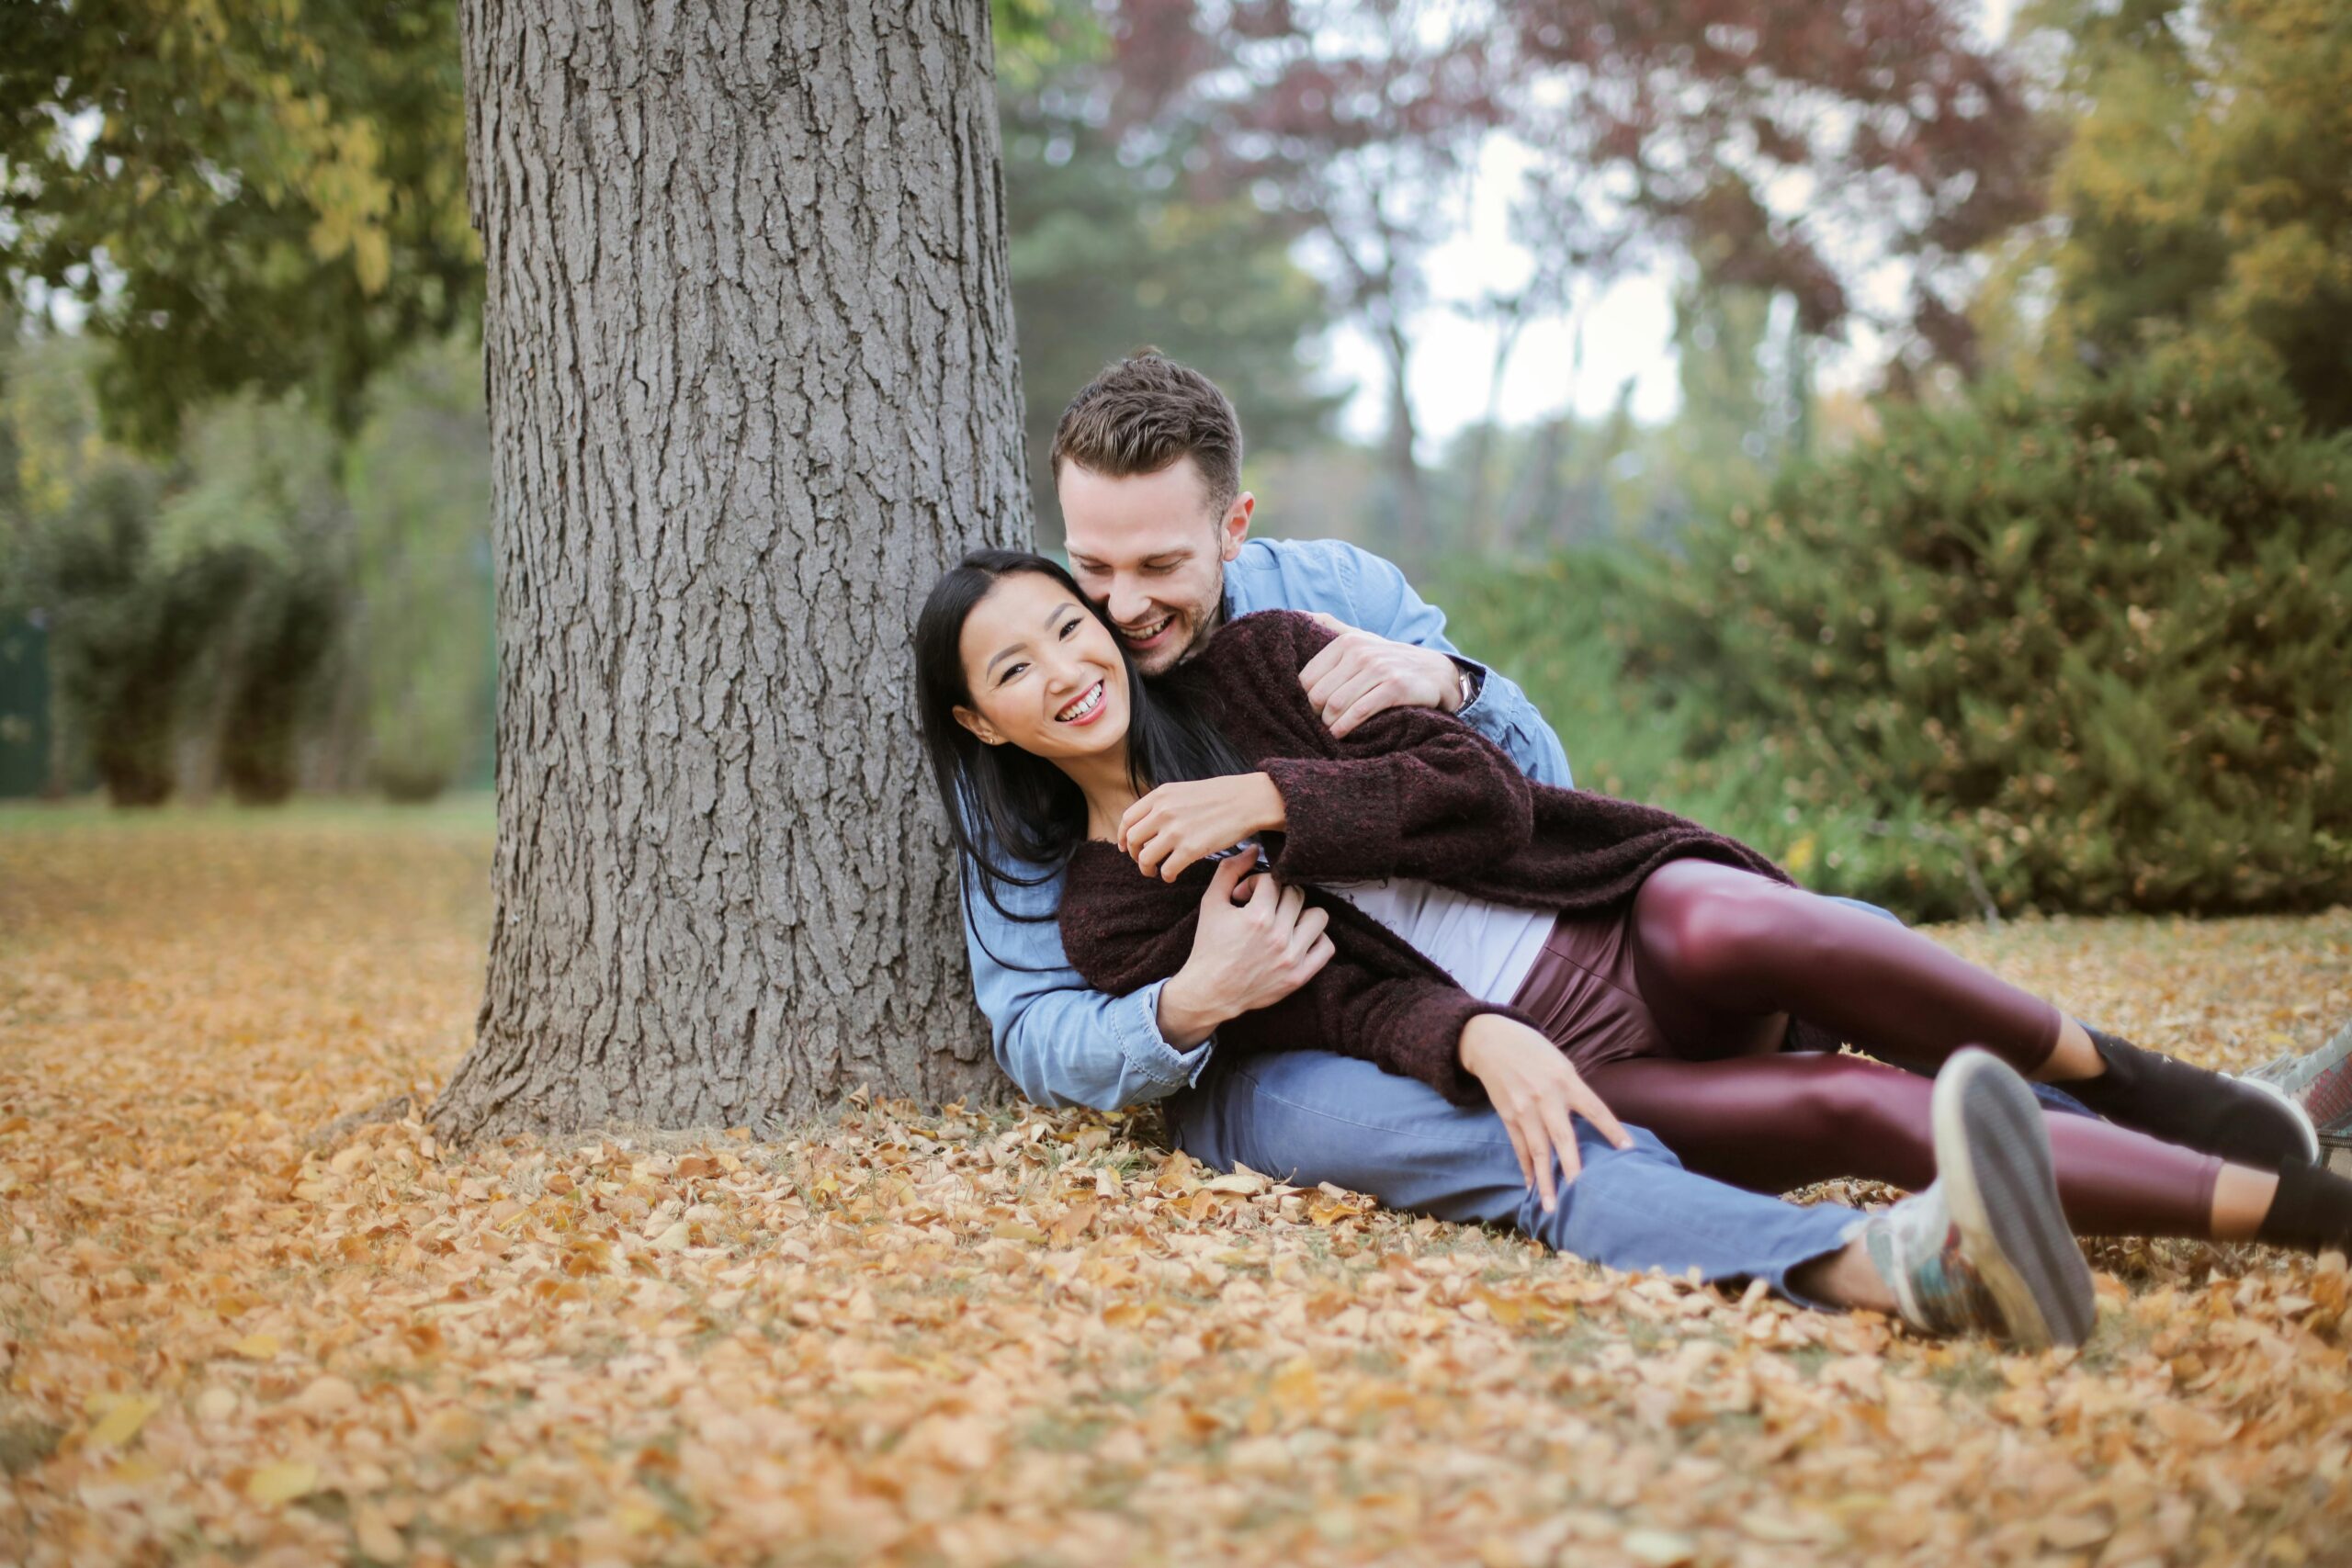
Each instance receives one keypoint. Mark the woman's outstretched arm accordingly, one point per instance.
(1386, 1004)
(1410, 792)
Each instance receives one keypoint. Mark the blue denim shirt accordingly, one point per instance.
(1066, 1044)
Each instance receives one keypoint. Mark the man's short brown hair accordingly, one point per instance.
(1145, 412)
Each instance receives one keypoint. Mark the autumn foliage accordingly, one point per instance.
(232, 1331)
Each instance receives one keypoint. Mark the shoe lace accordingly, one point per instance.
(1948, 1293)
(1940, 1291)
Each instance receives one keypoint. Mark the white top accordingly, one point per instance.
(1487, 947)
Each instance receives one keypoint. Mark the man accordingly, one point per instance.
(1147, 463)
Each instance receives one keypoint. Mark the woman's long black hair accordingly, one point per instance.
(1001, 801)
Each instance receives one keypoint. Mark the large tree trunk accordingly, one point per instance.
(751, 387)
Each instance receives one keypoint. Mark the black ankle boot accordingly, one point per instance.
(2190, 1106)
(2313, 1212)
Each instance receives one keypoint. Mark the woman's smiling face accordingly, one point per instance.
(1044, 673)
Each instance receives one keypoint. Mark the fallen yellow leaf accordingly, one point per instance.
(1296, 1390)
(636, 1519)
(1659, 1548)
(1799, 859)
(375, 1536)
(121, 1423)
(282, 1482)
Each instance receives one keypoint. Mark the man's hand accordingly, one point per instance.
(1535, 1089)
(1180, 823)
(1358, 674)
(1246, 955)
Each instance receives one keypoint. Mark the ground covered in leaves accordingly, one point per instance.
(987, 1337)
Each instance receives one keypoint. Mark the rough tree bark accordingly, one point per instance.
(751, 387)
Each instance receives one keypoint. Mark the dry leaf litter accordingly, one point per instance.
(992, 1335)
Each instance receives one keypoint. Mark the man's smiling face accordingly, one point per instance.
(1151, 549)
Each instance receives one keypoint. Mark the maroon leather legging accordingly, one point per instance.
(1721, 955)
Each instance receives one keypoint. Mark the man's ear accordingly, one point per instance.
(978, 726)
(1234, 526)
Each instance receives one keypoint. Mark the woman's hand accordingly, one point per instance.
(1180, 823)
(1257, 942)
(1535, 1089)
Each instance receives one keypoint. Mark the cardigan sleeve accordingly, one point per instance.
(1410, 792)
(1375, 999)
(1408, 1024)
(1122, 932)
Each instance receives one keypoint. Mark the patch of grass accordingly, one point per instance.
(466, 814)
(24, 1444)
(1065, 1431)
(1810, 1359)
(1971, 1370)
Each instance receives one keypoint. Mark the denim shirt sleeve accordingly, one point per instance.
(1063, 1042)
(1385, 603)
(1059, 1040)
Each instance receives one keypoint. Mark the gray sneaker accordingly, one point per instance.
(2318, 1083)
(1985, 1249)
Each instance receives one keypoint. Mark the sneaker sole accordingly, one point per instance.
(1993, 1156)
(2303, 1122)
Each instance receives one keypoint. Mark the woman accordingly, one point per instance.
(1545, 948)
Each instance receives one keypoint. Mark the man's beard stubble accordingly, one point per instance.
(1202, 629)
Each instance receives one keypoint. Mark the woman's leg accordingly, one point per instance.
(1715, 948)
(1714, 945)
(1771, 1124)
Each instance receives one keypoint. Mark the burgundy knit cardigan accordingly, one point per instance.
(1411, 793)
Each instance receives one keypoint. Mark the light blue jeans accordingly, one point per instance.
(1310, 1116)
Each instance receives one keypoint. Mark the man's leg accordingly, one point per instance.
(1986, 1248)
(1310, 1117)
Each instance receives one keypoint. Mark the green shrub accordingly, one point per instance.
(2095, 643)
(286, 626)
(1546, 625)
(421, 509)
(1557, 628)
(128, 625)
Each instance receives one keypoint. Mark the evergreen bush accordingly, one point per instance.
(2091, 645)
(286, 628)
(129, 623)
(260, 488)
(1558, 627)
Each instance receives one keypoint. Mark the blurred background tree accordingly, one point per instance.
(231, 197)
(420, 642)
(2207, 203)
(258, 496)
(1892, 238)
(1111, 251)
(133, 612)
(255, 211)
